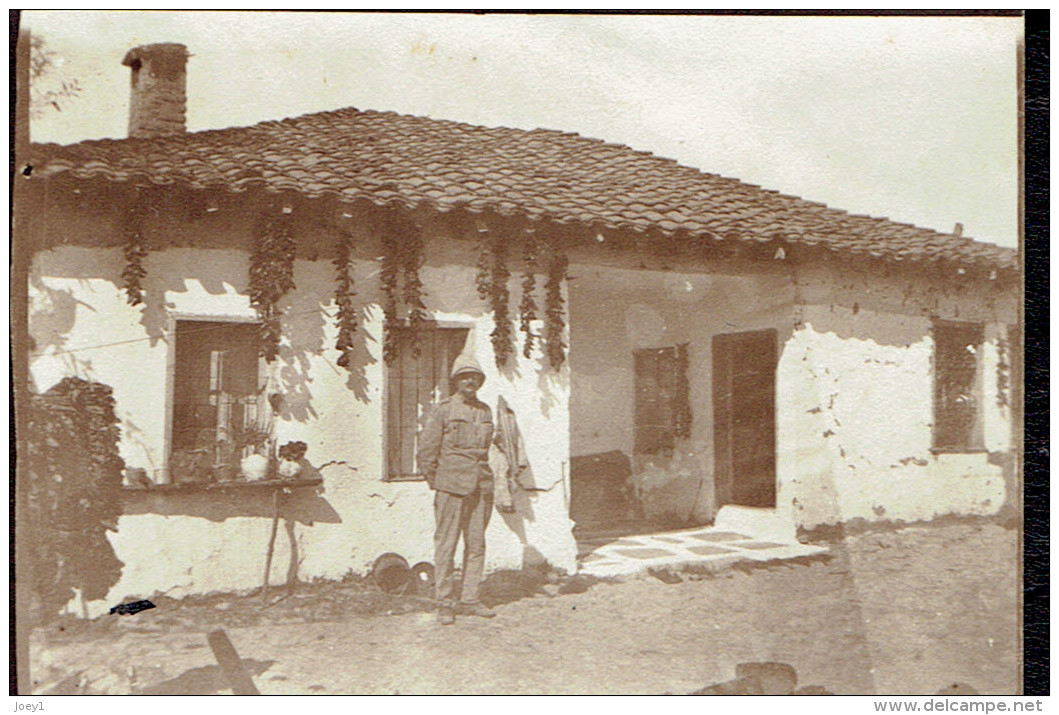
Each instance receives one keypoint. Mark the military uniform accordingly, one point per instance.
(453, 455)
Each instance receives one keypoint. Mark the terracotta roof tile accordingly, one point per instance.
(386, 158)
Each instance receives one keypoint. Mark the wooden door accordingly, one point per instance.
(744, 412)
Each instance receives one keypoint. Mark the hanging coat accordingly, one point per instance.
(509, 440)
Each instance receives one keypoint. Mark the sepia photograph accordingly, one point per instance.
(365, 353)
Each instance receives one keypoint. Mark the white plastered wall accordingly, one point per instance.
(179, 544)
(855, 402)
(854, 385)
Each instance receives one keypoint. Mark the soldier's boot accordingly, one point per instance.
(476, 609)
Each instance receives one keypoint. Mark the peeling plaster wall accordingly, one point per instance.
(614, 311)
(854, 385)
(855, 401)
(182, 543)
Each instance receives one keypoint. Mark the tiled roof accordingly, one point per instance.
(390, 158)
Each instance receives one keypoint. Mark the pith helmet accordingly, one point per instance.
(467, 363)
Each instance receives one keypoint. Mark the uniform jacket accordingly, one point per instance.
(510, 442)
(454, 447)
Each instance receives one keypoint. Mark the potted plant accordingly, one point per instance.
(256, 441)
(291, 458)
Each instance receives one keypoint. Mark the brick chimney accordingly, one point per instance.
(159, 89)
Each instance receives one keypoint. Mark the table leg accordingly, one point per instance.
(271, 543)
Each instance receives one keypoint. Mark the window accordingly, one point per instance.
(218, 385)
(957, 386)
(412, 384)
(662, 411)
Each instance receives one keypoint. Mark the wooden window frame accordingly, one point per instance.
(394, 400)
(172, 321)
(675, 406)
(973, 438)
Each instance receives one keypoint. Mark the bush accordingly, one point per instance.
(74, 492)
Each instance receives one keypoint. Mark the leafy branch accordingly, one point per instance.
(44, 93)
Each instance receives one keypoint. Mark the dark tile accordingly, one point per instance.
(718, 536)
(644, 553)
(760, 545)
(708, 550)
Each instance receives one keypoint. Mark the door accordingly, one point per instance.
(744, 411)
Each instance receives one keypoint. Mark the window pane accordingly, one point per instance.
(956, 391)
(655, 388)
(215, 388)
(413, 384)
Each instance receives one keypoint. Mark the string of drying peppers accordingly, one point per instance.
(346, 318)
(412, 260)
(555, 348)
(388, 278)
(1003, 374)
(271, 276)
(499, 299)
(135, 250)
(484, 264)
(402, 243)
(527, 309)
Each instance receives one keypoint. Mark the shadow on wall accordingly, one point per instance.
(547, 377)
(850, 306)
(53, 313)
(211, 275)
(52, 316)
(303, 326)
(303, 506)
(517, 520)
(360, 358)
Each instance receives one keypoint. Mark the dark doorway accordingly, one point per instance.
(744, 418)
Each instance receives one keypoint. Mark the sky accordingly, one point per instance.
(910, 118)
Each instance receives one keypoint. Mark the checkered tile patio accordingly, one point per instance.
(708, 547)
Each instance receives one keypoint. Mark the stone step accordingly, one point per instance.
(761, 522)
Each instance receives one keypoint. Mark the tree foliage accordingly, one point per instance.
(48, 89)
(74, 494)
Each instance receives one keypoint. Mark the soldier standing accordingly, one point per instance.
(454, 457)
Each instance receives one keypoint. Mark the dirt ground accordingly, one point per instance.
(909, 611)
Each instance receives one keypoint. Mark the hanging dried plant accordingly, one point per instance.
(135, 250)
(555, 348)
(682, 398)
(388, 276)
(527, 309)
(1003, 374)
(499, 298)
(412, 260)
(271, 276)
(483, 279)
(346, 319)
(402, 244)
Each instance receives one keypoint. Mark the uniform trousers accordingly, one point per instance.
(455, 515)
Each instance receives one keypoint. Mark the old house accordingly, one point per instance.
(674, 344)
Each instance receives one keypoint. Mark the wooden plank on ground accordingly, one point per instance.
(231, 665)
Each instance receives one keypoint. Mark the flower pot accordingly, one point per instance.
(289, 469)
(254, 467)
